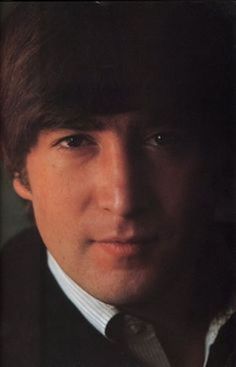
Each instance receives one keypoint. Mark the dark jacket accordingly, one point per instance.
(41, 327)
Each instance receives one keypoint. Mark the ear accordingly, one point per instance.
(21, 188)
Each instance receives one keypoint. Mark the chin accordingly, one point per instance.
(120, 292)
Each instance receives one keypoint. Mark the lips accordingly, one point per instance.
(126, 246)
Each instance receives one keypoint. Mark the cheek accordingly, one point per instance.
(57, 193)
(182, 188)
(59, 203)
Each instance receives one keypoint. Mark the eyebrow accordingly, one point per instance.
(86, 123)
(73, 120)
(99, 123)
(81, 123)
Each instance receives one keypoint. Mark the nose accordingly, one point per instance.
(120, 188)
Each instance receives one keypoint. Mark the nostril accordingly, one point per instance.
(123, 195)
(116, 198)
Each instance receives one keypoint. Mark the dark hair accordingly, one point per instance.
(62, 61)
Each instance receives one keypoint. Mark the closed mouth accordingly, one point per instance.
(125, 246)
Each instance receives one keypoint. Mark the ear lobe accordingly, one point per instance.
(21, 188)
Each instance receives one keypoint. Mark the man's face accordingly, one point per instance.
(120, 207)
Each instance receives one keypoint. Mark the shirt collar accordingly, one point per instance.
(96, 312)
(99, 314)
(214, 330)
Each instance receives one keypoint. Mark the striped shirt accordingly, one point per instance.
(139, 335)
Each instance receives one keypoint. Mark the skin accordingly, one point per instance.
(118, 206)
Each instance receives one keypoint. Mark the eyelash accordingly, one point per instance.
(76, 141)
(168, 139)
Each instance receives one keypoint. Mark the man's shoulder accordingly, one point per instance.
(21, 259)
(27, 241)
(21, 252)
(20, 277)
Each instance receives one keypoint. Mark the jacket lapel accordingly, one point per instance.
(223, 351)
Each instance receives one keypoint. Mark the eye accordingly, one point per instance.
(165, 139)
(74, 141)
